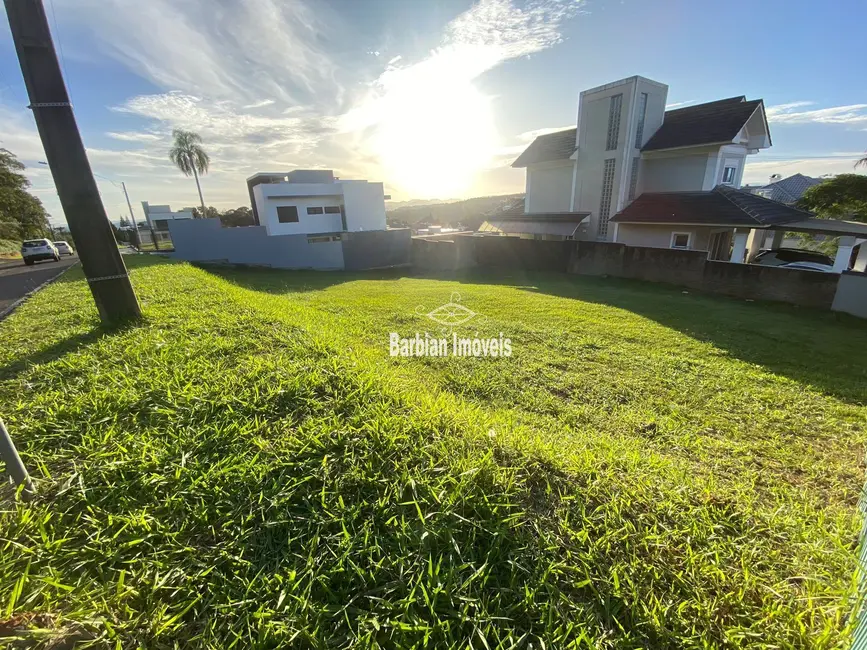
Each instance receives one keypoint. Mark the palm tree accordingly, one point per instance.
(863, 161)
(189, 157)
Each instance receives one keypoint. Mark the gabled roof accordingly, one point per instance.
(546, 148)
(721, 206)
(710, 123)
(787, 190)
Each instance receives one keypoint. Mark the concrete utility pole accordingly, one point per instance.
(100, 258)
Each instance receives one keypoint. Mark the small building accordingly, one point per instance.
(158, 216)
(310, 201)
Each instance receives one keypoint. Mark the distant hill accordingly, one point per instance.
(469, 213)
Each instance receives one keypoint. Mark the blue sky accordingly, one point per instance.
(435, 98)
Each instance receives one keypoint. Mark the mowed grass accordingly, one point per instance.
(250, 468)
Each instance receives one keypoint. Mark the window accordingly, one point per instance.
(332, 209)
(614, 122)
(287, 214)
(161, 224)
(633, 178)
(605, 201)
(680, 239)
(314, 210)
(729, 175)
(639, 130)
(323, 239)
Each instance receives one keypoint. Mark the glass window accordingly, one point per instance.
(642, 111)
(605, 201)
(614, 122)
(633, 179)
(287, 214)
(332, 209)
(729, 175)
(680, 240)
(314, 210)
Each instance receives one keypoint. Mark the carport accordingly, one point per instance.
(851, 233)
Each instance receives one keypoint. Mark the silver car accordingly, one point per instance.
(63, 248)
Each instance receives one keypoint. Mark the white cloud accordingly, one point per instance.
(427, 123)
(263, 103)
(236, 49)
(852, 114)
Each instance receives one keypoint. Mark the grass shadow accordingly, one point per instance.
(823, 349)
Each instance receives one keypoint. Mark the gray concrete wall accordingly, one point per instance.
(205, 240)
(851, 296)
(372, 249)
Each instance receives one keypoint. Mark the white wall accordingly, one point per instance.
(268, 199)
(593, 112)
(659, 236)
(365, 205)
(549, 186)
(684, 173)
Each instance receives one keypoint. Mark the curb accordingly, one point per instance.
(15, 305)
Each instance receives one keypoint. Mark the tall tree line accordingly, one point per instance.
(22, 215)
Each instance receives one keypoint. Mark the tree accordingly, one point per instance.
(841, 197)
(188, 155)
(22, 215)
(210, 213)
(124, 222)
(237, 217)
(861, 162)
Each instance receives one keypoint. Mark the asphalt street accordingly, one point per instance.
(16, 279)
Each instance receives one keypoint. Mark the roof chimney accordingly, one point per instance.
(775, 178)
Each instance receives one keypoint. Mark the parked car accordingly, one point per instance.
(809, 266)
(780, 256)
(34, 250)
(63, 248)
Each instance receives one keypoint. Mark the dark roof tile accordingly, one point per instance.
(551, 146)
(710, 123)
(723, 206)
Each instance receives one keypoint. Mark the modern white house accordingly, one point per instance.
(314, 201)
(304, 219)
(632, 172)
(158, 216)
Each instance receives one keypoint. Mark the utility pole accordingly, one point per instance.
(100, 258)
(131, 216)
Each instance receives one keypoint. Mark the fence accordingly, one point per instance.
(684, 268)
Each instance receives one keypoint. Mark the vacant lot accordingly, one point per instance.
(250, 468)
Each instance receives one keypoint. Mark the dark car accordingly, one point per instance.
(780, 256)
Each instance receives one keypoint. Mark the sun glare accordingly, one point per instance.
(432, 128)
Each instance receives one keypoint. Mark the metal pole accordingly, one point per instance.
(13, 463)
(128, 204)
(88, 222)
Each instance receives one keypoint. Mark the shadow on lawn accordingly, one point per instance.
(823, 349)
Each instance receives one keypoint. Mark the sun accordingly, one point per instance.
(432, 129)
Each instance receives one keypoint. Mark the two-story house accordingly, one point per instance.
(634, 173)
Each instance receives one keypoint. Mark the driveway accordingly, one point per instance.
(16, 279)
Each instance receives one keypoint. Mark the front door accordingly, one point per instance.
(720, 247)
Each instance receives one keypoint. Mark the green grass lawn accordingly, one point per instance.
(250, 468)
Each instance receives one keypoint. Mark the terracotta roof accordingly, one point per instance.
(723, 206)
(710, 123)
(551, 146)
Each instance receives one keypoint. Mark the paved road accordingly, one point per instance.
(16, 279)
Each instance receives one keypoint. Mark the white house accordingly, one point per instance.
(684, 166)
(314, 201)
(158, 216)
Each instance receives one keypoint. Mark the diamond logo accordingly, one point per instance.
(452, 313)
